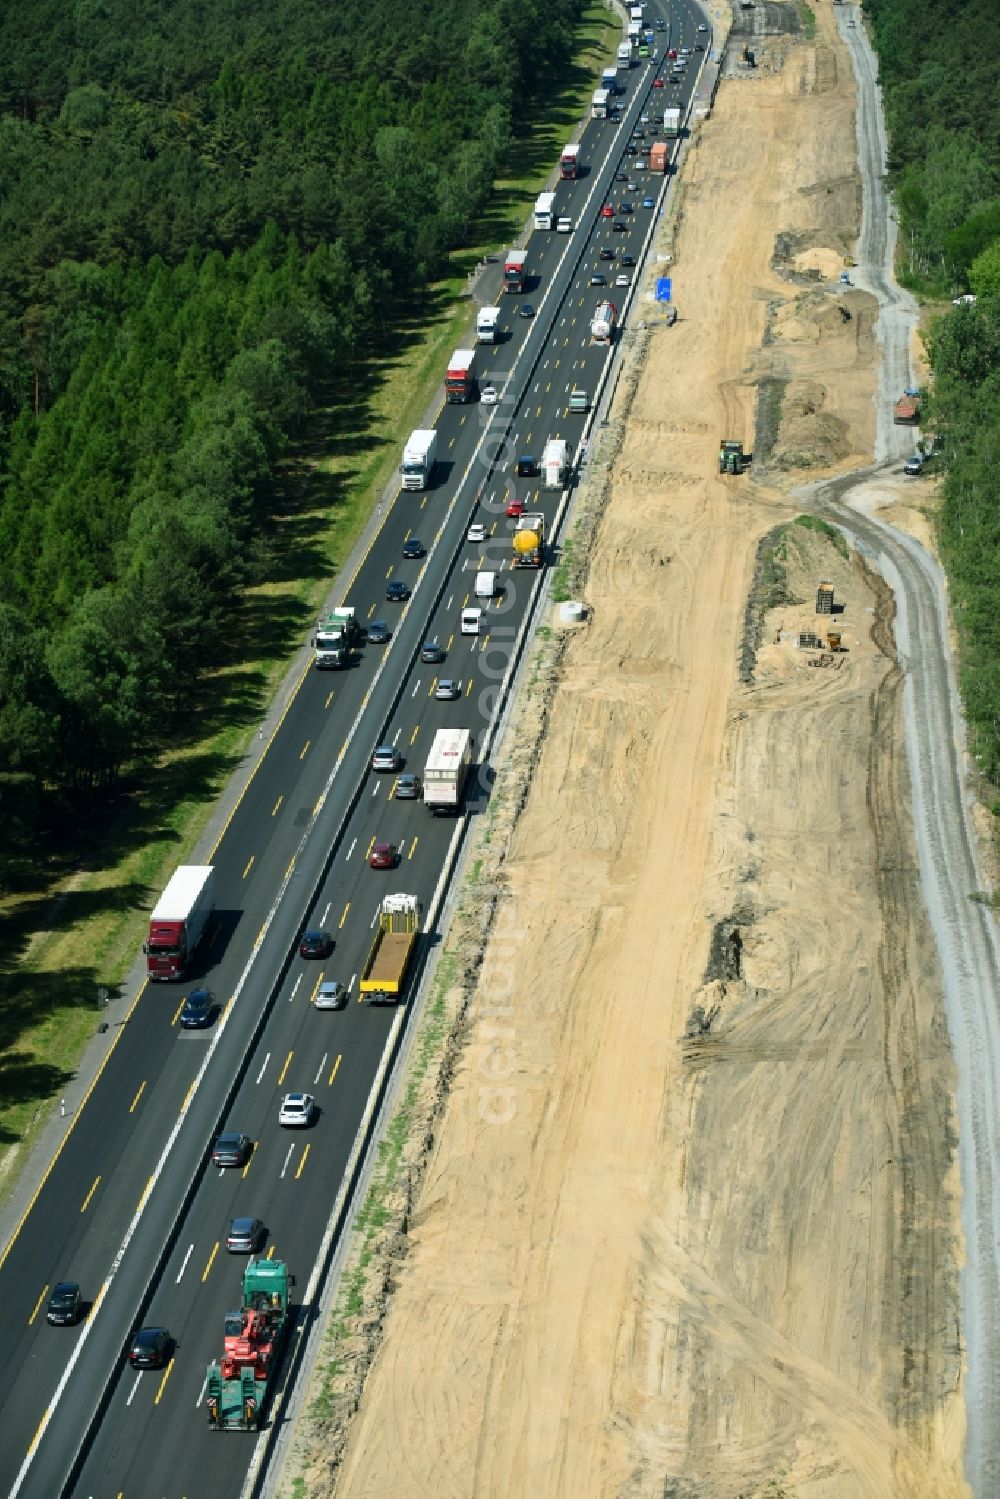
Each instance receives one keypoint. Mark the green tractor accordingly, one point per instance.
(732, 458)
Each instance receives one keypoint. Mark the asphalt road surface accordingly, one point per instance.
(131, 1207)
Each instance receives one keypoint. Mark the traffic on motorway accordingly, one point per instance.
(224, 1124)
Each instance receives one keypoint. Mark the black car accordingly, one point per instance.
(413, 548)
(315, 944)
(150, 1348)
(231, 1149)
(606, 253)
(698, 47)
(431, 653)
(598, 280)
(526, 467)
(525, 310)
(628, 260)
(621, 176)
(198, 1010)
(63, 1309)
(620, 227)
(397, 592)
(632, 149)
(378, 632)
(245, 1235)
(626, 208)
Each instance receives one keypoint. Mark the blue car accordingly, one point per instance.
(648, 203)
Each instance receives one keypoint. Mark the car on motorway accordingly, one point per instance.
(631, 149)
(620, 176)
(628, 260)
(150, 1348)
(661, 24)
(598, 279)
(914, 466)
(64, 1305)
(639, 164)
(607, 253)
(431, 653)
(231, 1149)
(447, 690)
(488, 395)
(315, 944)
(408, 788)
(623, 281)
(702, 28)
(476, 533)
(515, 508)
(620, 227)
(685, 51)
(657, 82)
(297, 1109)
(245, 1236)
(378, 633)
(199, 1007)
(525, 310)
(383, 856)
(397, 592)
(671, 52)
(525, 466)
(644, 119)
(607, 212)
(330, 995)
(387, 757)
(698, 47)
(626, 207)
(649, 203)
(633, 187)
(413, 549)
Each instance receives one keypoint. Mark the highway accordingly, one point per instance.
(131, 1207)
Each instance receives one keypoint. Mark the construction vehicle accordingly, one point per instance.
(335, 633)
(447, 770)
(732, 458)
(906, 412)
(178, 921)
(237, 1387)
(389, 957)
(529, 541)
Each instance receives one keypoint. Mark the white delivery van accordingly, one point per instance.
(486, 585)
(470, 621)
(564, 226)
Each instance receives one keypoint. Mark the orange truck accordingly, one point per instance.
(658, 157)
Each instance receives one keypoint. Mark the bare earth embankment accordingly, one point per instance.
(710, 1247)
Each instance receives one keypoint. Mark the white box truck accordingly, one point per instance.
(545, 210)
(486, 585)
(671, 123)
(599, 104)
(624, 56)
(555, 463)
(179, 920)
(419, 457)
(447, 769)
(486, 325)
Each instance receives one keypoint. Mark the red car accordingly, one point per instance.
(383, 856)
(515, 509)
(657, 82)
(672, 52)
(607, 212)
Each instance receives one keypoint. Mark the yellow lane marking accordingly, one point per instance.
(211, 1262)
(416, 731)
(430, 690)
(274, 809)
(302, 1163)
(163, 1382)
(329, 699)
(329, 1082)
(177, 1012)
(412, 847)
(340, 924)
(249, 865)
(135, 1101)
(253, 1152)
(305, 749)
(38, 1303)
(187, 1096)
(284, 1069)
(86, 1201)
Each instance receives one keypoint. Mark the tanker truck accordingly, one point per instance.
(529, 541)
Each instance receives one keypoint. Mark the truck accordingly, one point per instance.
(419, 457)
(634, 30)
(178, 921)
(635, 13)
(254, 1339)
(555, 463)
(602, 324)
(906, 412)
(658, 156)
(624, 55)
(335, 633)
(447, 770)
(599, 104)
(513, 270)
(486, 585)
(609, 80)
(529, 541)
(671, 123)
(569, 161)
(460, 379)
(396, 931)
(486, 325)
(545, 210)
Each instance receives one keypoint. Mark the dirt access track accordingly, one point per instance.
(709, 1244)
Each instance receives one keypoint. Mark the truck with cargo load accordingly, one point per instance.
(336, 633)
(447, 770)
(384, 973)
(906, 412)
(545, 209)
(609, 80)
(569, 161)
(599, 104)
(624, 55)
(513, 270)
(529, 541)
(672, 123)
(602, 324)
(460, 379)
(419, 457)
(486, 324)
(555, 463)
(658, 156)
(178, 921)
(255, 1336)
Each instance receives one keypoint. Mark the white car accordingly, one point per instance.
(702, 28)
(488, 395)
(296, 1109)
(476, 533)
(622, 281)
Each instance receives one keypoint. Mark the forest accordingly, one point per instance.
(942, 99)
(206, 214)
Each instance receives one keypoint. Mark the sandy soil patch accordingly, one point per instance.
(707, 1247)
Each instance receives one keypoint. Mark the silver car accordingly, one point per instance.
(386, 757)
(408, 788)
(330, 996)
(447, 690)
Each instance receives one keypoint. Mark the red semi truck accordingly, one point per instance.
(513, 270)
(569, 163)
(179, 919)
(460, 381)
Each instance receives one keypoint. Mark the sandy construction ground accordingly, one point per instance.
(688, 1222)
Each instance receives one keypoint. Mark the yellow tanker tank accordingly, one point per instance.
(526, 541)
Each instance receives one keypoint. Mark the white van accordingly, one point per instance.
(564, 226)
(470, 621)
(486, 585)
